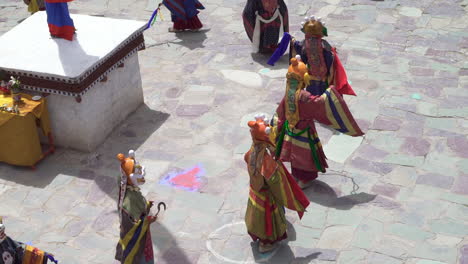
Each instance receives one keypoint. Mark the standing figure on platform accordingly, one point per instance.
(59, 20)
(265, 21)
(294, 127)
(271, 189)
(13, 252)
(184, 14)
(35, 5)
(324, 65)
(135, 244)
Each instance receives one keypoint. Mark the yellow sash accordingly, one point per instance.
(291, 104)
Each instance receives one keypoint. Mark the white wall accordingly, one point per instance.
(84, 126)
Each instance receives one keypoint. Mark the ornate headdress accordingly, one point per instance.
(130, 169)
(131, 173)
(314, 26)
(259, 129)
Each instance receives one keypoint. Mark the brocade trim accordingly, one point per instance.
(77, 87)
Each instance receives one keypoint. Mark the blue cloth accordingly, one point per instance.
(51, 258)
(283, 46)
(58, 14)
(183, 9)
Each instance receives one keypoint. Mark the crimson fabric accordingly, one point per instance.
(297, 192)
(341, 80)
(304, 176)
(191, 23)
(148, 248)
(65, 32)
(268, 224)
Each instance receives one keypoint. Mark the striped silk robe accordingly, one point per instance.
(297, 139)
(135, 244)
(271, 189)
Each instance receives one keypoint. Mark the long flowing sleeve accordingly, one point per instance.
(286, 191)
(340, 78)
(331, 110)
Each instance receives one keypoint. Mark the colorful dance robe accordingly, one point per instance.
(324, 65)
(271, 189)
(294, 127)
(135, 244)
(59, 20)
(264, 22)
(13, 252)
(184, 13)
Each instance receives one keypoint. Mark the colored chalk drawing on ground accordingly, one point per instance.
(214, 236)
(188, 180)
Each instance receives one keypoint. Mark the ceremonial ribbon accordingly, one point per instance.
(161, 16)
(153, 17)
(268, 224)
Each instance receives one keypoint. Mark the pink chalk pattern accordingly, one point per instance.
(189, 180)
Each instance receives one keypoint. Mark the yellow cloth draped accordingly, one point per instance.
(19, 139)
(33, 255)
(33, 7)
(133, 238)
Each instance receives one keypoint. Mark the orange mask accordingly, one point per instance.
(297, 66)
(259, 129)
(134, 172)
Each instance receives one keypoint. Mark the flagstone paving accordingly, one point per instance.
(398, 196)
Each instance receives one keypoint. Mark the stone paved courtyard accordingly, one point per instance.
(397, 195)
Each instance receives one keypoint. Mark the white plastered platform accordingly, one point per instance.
(28, 50)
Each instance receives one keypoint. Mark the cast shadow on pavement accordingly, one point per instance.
(130, 134)
(284, 253)
(323, 194)
(191, 40)
(166, 244)
(262, 59)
